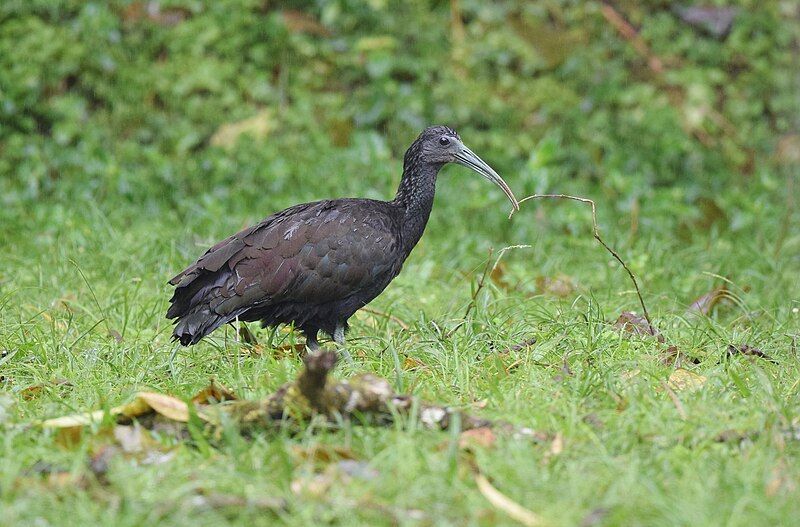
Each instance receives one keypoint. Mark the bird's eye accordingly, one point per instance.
(444, 141)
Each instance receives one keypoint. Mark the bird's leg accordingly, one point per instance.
(246, 335)
(311, 342)
(338, 338)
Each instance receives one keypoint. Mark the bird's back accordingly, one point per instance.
(313, 264)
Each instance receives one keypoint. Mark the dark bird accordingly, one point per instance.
(316, 264)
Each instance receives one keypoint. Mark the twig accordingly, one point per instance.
(596, 234)
(389, 316)
(486, 269)
(504, 503)
(656, 65)
(631, 35)
(677, 402)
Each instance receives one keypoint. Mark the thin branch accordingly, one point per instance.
(596, 234)
(675, 400)
(486, 269)
(631, 35)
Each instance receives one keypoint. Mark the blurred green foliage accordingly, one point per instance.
(122, 98)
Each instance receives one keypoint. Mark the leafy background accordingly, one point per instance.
(135, 133)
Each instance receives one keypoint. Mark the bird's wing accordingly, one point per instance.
(312, 253)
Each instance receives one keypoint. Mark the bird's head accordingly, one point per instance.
(439, 145)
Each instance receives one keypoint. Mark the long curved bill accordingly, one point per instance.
(470, 159)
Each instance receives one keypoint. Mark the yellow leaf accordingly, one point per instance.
(682, 380)
(76, 420)
(169, 407)
(258, 126)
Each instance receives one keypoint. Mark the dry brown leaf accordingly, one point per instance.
(557, 446)
(685, 380)
(637, 325)
(522, 345)
(708, 301)
(498, 276)
(284, 351)
(313, 485)
(322, 453)
(410, 363)
(560, 286)
(780, 481)
(673, 356)
(34, 390)
(507, 505)
(214, 393)
(746, 349)
(152, 12)
(169, 407)
(142, 404)
(477, 437)
(788, 149)
(297, 21)
(259, 126)
(714, 20)
(74, 421)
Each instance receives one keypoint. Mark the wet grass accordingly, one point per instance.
(83, 297)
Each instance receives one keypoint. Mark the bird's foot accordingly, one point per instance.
(246, 335)
(338, 338)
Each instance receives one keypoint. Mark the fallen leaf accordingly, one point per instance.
(788, 149)
(522, 345)
(477, 437)
(411, 363)
(258, 126)
(322, 453)
(315, 485)
(685, 380)
(637, 325)
(297, 21)
(116, 335)
(214, 393)
(714, 20)
(290, 350)
(169, 407)
(506, 504)
(34, 390)
(734, 436)
(708, 301)
(143, 403)
(557, 446)
(780, 481)
(151, 11)
(746, 349)
(672, 356)
(559, 286)
(498, 276)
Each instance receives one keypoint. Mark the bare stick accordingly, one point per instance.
(475, 293)
(596, 234)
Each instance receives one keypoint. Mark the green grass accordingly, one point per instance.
(73, 274)
(110, 183)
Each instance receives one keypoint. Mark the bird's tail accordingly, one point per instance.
(197, 323)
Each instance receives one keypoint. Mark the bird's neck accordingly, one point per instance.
(415, 198)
